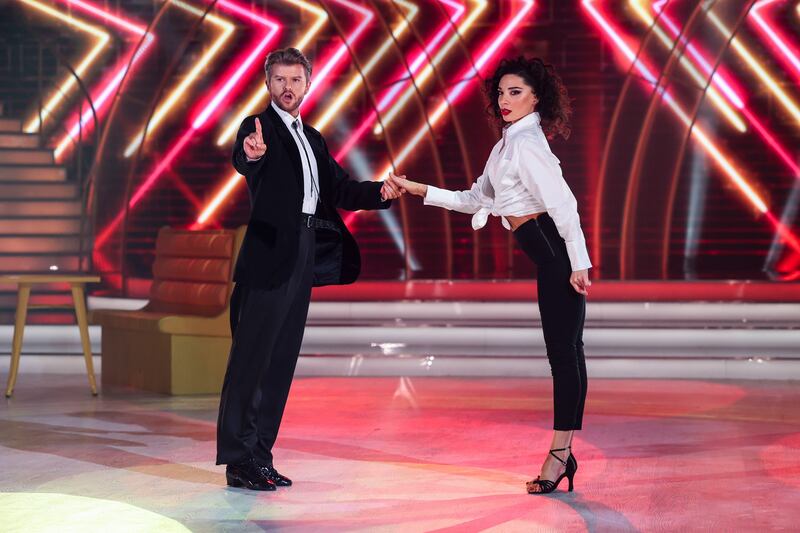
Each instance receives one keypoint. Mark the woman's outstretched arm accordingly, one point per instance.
(479, 196)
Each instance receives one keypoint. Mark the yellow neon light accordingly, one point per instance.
(352, 85)
(714, 95)
(194, 73)
(783, 98)
(69, 82)
(356, 80)
(428, 70)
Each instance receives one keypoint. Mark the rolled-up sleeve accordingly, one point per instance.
(541, 174)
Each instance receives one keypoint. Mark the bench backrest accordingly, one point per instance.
(192, 271)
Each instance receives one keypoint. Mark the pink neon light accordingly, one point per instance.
(208, 109)
(109, 17)
(467, 78)
(657, 6)
(788, 53)
(335, 59)
(101, 99)
(718, 79)
(614, 36)
(732, 97)
(786, 234)
(470, 74)
(115, 78)
(221, 93)
(414, 66)
(329, 64)
(416, 63)
(165, 162)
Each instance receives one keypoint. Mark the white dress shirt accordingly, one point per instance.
(522, 177)
(310, 170)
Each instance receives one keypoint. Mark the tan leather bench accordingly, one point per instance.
(179, 342)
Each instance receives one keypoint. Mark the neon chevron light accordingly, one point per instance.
(717, 81)
(788, 53)
(696, 132)
(209, 108)
(414, 66)
(227, 135)
(426, 73)
(356, 81)
(756, 67)
(329, 64)
(102, 38)
(465, 81)
(725, 86)
(179, 91)
(113, 81)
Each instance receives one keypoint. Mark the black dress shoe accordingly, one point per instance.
(276, 477)
(247, 474)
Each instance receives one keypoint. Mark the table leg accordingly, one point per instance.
(23, 296)
(83, 326)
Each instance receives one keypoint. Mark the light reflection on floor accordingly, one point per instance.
(420, 454)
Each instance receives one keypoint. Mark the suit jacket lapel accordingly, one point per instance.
(288, 143)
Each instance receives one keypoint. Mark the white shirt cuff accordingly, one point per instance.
(578, 255)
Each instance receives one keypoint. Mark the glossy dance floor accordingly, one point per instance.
(398, 454)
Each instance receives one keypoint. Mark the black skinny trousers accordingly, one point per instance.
(563, 311)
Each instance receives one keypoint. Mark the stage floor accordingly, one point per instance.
(400, 454)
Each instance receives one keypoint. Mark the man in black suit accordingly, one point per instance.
(295, 240)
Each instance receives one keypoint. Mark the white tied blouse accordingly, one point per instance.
(522, 176)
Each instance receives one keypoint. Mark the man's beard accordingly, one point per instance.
(296, 101)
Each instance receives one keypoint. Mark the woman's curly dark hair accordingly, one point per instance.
(553, 106)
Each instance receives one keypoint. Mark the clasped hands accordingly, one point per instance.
(396, 186)
(399, 185)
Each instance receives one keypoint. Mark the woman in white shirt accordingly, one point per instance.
(522, 183)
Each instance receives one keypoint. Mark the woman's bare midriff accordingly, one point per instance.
(516, 222)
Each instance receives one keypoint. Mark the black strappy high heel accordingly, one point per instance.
(547, 486)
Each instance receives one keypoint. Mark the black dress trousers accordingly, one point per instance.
(267, 328)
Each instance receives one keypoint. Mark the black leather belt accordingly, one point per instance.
(310, 221)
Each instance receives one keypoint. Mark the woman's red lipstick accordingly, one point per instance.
(505, 111)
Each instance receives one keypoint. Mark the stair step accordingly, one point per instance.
(19, 140)
(26, 156)
(38, 263)
(22, 244)
(10, 125)
(27, 226)
(32, 172)
(9, 208)
(51, 190)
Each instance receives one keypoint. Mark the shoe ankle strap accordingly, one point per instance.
(559, 459)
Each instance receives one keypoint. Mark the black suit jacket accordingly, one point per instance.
(275, 183)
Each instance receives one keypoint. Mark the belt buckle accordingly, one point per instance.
(308, 221)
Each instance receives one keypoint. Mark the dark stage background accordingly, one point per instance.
(695, 179)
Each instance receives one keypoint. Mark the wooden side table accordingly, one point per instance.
(24, 284)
